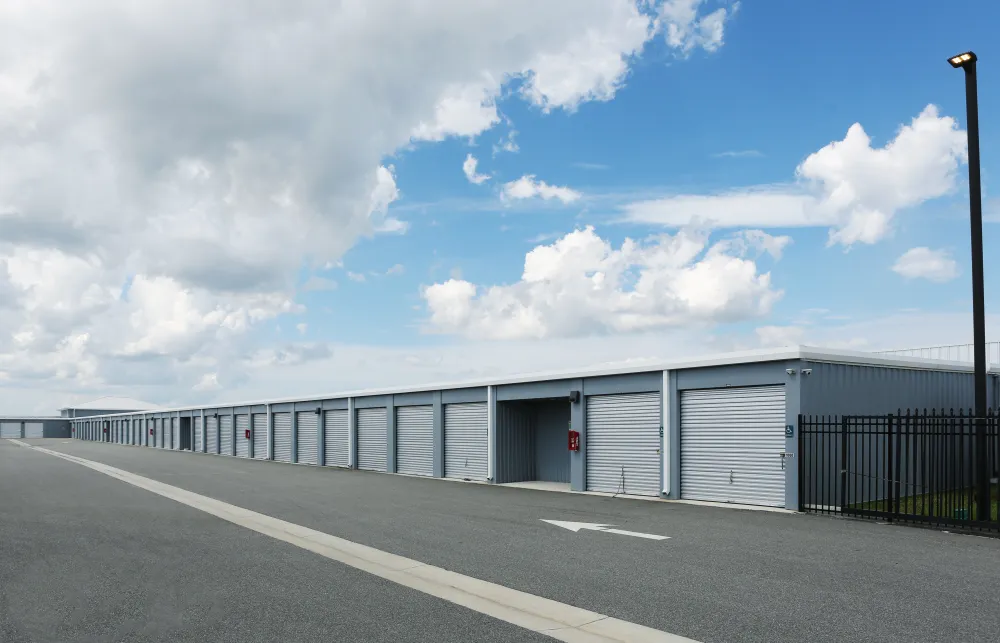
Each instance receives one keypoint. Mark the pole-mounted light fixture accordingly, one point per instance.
(962, 60)
(967, 63)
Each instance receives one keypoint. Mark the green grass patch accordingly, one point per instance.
(958, 504)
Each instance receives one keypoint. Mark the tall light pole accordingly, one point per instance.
(967, 62)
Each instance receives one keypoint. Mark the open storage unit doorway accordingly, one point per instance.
(532, 441)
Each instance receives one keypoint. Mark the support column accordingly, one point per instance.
(352, 434)
(390, 435)
(270, 434)
(438, 410)
(295, 434)
(578, 422)
(491, 433)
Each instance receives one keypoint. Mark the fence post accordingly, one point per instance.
(802, 465)
(843, 464)
(890, 478)
(898, 469)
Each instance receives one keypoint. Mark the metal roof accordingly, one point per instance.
(111, 403)
(807, 353)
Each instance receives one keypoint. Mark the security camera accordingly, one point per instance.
(807, 371)
(790, 371)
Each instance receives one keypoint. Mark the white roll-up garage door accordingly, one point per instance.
(212, 434)
(259, 435)
(372, 430)
(282, 437)
(415, 440)
(226, 434)
(161, 434)
(307, 438)
(336, 439)
(242, 444)
(199, 438)
(731, 439)
(10, 429)
(175, 434)
(465, 441)
(34, 430)
(623, 443)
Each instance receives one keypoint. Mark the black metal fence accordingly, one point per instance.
(918, 467)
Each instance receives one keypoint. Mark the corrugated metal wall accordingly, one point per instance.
(282, 436)
(551, 441)
(212, 434)
(731, 439)
(515, 461)
(336, 443)
(847, 389)
(415, 440)
(34, 430)
(372, 428)
(465, 436)
(242, 444)
(199, 435)
(307, 438)
(623, 443)
(226, 434)
(259, 435)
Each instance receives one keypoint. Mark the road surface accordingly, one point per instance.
(84, 556)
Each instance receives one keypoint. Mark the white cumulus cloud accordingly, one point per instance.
(582, 285)
(848, 186)
(687, 29)
(528, 187)
(196, 156)
(469, 169)
(925, 263)
(863, 187)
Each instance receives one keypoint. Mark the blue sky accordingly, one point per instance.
(186, 215)
(790, 78)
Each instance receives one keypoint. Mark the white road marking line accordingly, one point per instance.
(636, 534)
(557, 620)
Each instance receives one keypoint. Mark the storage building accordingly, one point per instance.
(33, 427)
(719, 429)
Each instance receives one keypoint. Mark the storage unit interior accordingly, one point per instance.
(532, 440)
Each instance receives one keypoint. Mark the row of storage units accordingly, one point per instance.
(308, 437)
(721, 429)
(152, 432)
(729, 439)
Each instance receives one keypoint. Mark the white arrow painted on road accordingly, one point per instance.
(577, 526)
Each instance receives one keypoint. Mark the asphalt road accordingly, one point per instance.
(724, 575)
(84, 557)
